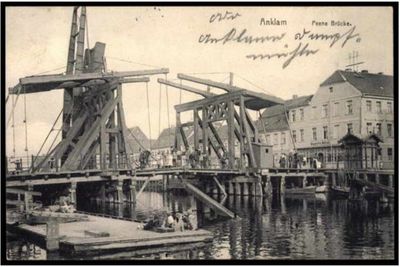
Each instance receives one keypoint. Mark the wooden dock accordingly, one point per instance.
(123, 236)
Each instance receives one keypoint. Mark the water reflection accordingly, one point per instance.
(315, 227)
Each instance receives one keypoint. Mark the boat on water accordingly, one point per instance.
(301, 190)
(322, 189)
(340, 191)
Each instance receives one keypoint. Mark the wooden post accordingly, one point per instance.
(390, 180)
(231, 140)
(254, 189)
(283, 184)
(205, 128)
(196, 128)
(237, 189)
(231, 190)
(377, 178)
(245, 189)
(72, 193)
(103, 193)
(304, 182)
(132, 191)
(119, 197)
(52, 234)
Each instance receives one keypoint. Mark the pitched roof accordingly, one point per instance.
(374, 84)
(165, 139)
(139, 137)
(274, 118)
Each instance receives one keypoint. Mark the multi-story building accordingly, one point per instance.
(275, 129)
(359, 103)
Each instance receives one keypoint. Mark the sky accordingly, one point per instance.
(140, 38)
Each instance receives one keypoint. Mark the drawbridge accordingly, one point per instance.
(93, 145)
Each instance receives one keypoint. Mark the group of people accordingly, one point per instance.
(172, 221)
(193, 158)
(297, 161)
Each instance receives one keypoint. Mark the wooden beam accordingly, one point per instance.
(42, 83)
(207, 101)
(135, 80)
(186, 88)
(223, 86)
(231, 140)
(208, 200)
(196, 128)
(89, 136)
(21, 191)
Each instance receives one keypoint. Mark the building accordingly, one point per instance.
(359, 103)
(275, 129)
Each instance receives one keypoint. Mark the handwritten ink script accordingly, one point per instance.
(302, 42)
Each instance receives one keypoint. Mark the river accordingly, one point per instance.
(313, 227)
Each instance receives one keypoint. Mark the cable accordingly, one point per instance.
(148, 112)
(259, 87)
(133, 62)
(59, 68)
(14, 104)
(45, 140)
(139, 143)
(197, 73)
(169, 124)
(180, 93)
(13, 126)
(26, 128)
(159, 112)
(87, 33)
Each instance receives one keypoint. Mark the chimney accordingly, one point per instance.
(294, 96)
(364, 71)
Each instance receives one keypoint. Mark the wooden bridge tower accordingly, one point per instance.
(93, 120)
(231, 107)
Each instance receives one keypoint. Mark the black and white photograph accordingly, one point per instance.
(205, 132)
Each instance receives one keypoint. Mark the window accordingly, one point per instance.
(283, 138)
(336, 131)
(369, 128)
(268, 139)
(389, 129)
(275, 139)
(301, 114)
(378, 107)
(350, 128)
(293, 115)
(389, 107)
(336, 109)
(325, 111)
(294, 136)
(390, 153)
(379, 128)
(325, 132)
(314, 134)
(314, 111)
(369, 105)
(331, 89)
(301, 135)
(349, 107)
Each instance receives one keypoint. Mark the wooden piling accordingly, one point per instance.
(231, 188)
(72, 193)
(283, 184)
(52, 234)
(132, 191)
(119, 195)
(237, 189)
(245, 189)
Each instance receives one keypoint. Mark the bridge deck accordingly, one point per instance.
(60, 177)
